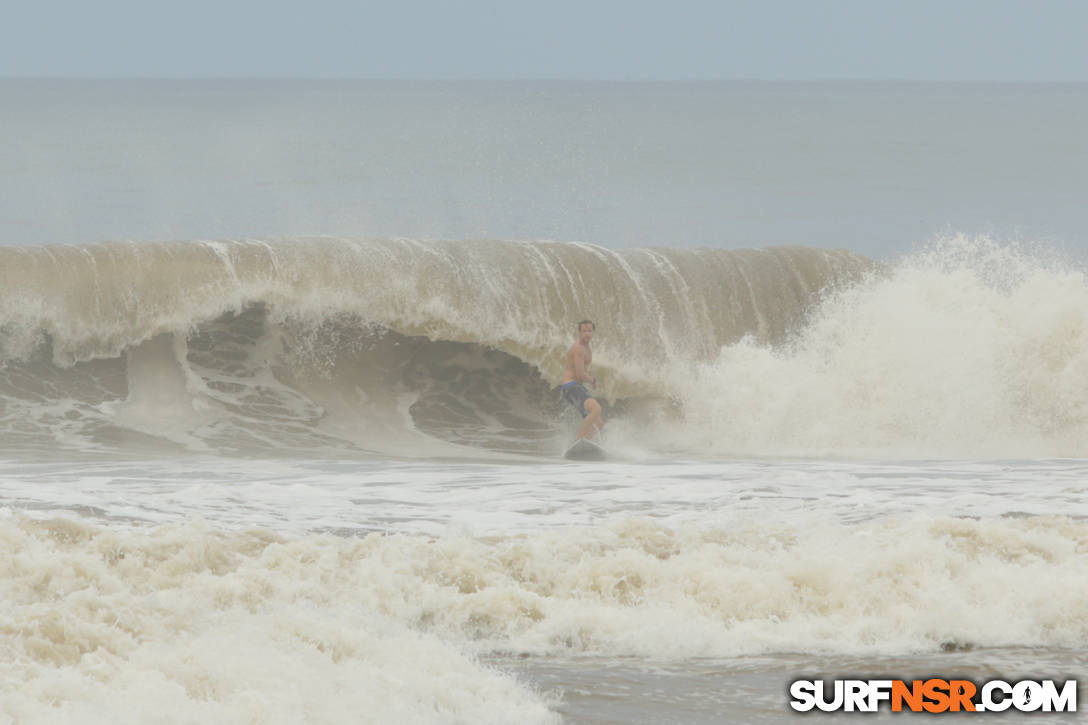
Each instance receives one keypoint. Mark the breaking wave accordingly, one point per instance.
(420, 348)
(401, 347)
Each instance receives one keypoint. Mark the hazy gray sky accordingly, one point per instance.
(1016, 40)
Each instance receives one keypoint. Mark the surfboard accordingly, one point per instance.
(584, 449)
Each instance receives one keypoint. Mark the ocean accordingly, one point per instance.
(281, 438)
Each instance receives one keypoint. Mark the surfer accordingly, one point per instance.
(575, 374)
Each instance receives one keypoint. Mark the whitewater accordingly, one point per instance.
(316, 477)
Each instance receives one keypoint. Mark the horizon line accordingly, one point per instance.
(527, 79)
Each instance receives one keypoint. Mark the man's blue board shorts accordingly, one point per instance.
(576, 394)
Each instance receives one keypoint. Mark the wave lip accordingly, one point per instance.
(523, 298)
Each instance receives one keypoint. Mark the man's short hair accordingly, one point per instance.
(587, 322)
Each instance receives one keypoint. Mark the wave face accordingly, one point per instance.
(394, 347)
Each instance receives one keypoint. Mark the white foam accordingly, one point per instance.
(164, 395)
(226, 618)
(967, 349)
(183, 624)
(207, 619)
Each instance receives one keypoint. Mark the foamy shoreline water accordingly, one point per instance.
(302, 497)
(208, 582)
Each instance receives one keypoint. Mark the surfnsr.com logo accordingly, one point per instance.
(933, 695)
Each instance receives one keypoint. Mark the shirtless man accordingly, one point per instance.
(575, 373)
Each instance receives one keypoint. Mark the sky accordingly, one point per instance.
(927, 40)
